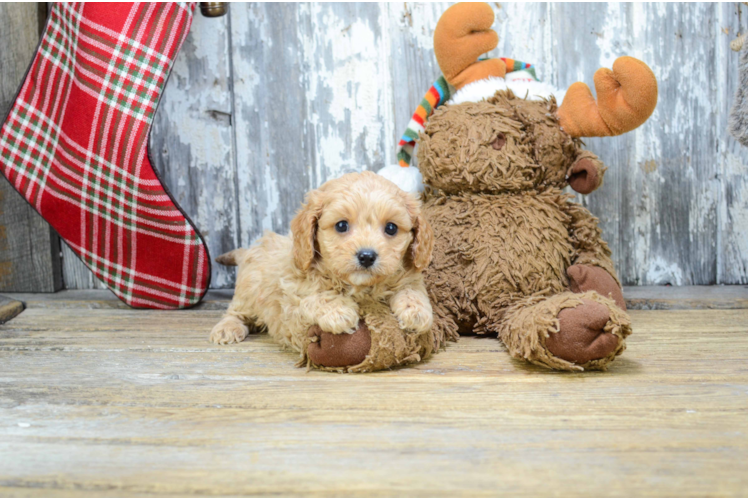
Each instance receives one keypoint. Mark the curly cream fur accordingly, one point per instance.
(286, 284)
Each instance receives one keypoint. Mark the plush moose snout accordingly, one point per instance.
(586, 173)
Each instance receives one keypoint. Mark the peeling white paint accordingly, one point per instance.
(516, 41)
(272, 198)
(661, 272)
(609, 37)
(420, 23)
(347, 87)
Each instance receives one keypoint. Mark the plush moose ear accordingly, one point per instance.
(423, 236)
(304, 231)
(586, 173)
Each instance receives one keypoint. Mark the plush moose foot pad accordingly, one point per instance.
(339, 350)
(581, 336)
(584, 278)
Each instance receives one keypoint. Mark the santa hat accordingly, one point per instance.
(464, 32)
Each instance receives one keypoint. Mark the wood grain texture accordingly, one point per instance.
(76, 275)
(732, 214)
(122, 402)
(29, 248)
(637, 298)
(274, 99)
(192, 138)
(9, 308)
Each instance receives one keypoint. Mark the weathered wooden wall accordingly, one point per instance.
(274, 99)
(29, 248)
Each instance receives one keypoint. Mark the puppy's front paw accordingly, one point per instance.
(418, 319)
(339, 320)
(412, 313)
(229, 331)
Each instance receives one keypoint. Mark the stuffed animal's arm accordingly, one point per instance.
(589, 247)
(333, 312)
(412, 308)
(591, 269)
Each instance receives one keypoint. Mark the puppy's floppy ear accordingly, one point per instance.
(304, 230)
(423, 235)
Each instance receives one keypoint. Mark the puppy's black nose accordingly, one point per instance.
(367, 257)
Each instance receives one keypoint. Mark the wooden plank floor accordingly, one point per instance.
(100, 402)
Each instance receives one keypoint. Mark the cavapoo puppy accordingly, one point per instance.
(357, 244)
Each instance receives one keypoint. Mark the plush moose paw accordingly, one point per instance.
(584, 278)
(338, 350)
(229, 330)
(581, 336)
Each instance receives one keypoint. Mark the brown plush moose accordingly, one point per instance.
(513, 255)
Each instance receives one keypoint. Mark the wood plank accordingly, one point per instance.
(686, 297)
(274, 134)
(192, 142)
(732, 218)
(637, 298)
(216, 299)
(654, 236)
(29, 248)
(76, 275)
(127, 402)
(9, 308)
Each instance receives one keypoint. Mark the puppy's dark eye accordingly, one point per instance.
(341, 226)
(499, 142)
(390, 229)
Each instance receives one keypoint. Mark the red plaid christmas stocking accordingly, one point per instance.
(75, 145)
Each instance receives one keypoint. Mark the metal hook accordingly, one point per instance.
(214, 9)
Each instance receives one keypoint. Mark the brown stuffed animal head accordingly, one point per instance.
(504, 143)
(497, 135)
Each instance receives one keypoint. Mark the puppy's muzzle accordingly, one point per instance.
(367, 257)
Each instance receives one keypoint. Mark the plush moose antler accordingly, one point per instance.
(462, 34)
(626, 97)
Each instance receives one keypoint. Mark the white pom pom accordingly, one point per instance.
(406, 178)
